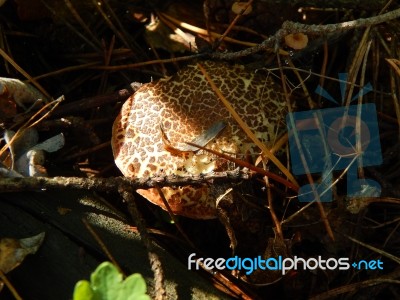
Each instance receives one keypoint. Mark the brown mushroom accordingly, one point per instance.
(186, 106)
(296, 41)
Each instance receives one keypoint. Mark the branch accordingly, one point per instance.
(293, 27)
(289, 27)
(8, 185)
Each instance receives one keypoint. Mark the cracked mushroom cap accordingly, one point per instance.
(185, 107)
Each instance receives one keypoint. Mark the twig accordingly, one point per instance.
(10, 286)
(278, 225)
(273, 41)
(111, 184)
(336, 4)
(127, 194)
(316, 30)
(294, 27)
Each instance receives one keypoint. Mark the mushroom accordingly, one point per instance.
(296, 41)
(181, 108)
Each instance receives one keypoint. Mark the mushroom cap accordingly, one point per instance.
(185, 106)
(296, 41)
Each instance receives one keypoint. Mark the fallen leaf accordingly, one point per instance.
(14, 251)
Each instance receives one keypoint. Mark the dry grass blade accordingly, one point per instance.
(395, 64)
(394, 90)
(67, 69)
(174, 218)
(361, 52)
(32, 122)
(102, 245)
(350, 288)
(78, 18)
(72, 51)
(10, 286)
(147, 63)
(278, 225)
(372, 248)
(19, 69)
(234, 21)
(304, 162)
(202, 31)
(163, 17)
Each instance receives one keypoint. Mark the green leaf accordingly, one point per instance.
(83, 291)
(106, 283)
(133, 288)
